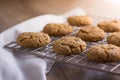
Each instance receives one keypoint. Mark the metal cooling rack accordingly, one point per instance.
(79, 60)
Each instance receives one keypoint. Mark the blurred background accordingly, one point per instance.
(15, 11)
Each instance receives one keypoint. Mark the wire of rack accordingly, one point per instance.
(79, 60)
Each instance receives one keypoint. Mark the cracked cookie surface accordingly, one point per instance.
(69, 45)
(110, 26)
(33, 39)
(104, 53)
(114, 38)
(79, 20)
(91, 34)
(53, 29)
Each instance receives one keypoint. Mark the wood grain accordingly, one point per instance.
(61, 71)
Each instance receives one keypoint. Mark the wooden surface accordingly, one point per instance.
(15, 11)
(61, 71)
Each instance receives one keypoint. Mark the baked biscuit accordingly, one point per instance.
(91, 34)
(114, 38)
(79, 20)
(110, 26)
(69, 45)
(33, 39)
(104, 53)
(57, 29)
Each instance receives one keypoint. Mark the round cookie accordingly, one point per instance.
(91, 34)
(110, 26)
(79, 20)
(57, 29)
(114, 38)
(33, 39)
(69, 46)
(104, 53)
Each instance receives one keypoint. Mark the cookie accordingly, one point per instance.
(104, 53)
(91, 34)
(79, 20)
(57, 29)
(110, 26)
(114, 38)
(33, 39)
(69, 46)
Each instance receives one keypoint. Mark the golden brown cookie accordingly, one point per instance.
(104, 53)
(79, 20)
(33, 39)
(57, 29)
(110, 26)
(114, 38)
(91, 34)
(69, 45)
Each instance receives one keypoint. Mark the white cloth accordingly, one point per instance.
(27, 68)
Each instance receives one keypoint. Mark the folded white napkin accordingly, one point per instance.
(27, 67)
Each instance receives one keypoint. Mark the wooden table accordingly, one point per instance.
(15, 11)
